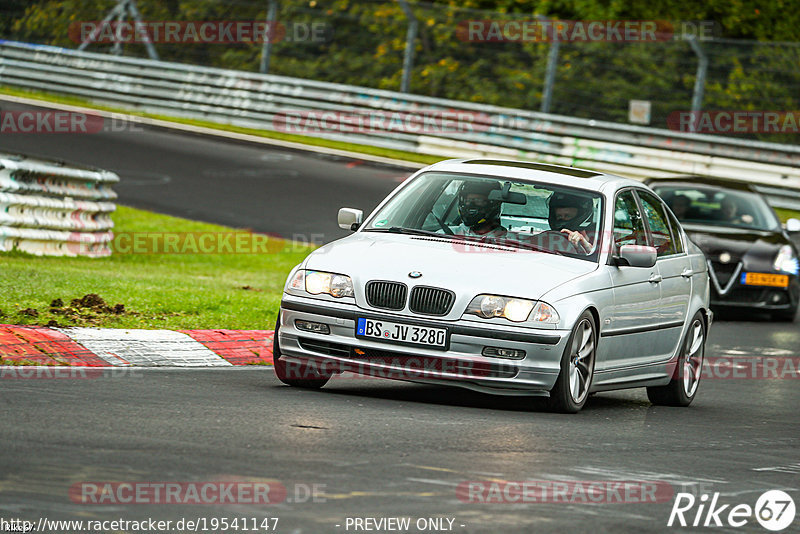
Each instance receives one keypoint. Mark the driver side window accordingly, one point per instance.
(628, 226)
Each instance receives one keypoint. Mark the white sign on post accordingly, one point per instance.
(639, 111)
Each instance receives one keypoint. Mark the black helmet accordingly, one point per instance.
(473, 214)
(566, 200)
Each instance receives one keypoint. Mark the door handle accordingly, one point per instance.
(655, 279)
(687, 273)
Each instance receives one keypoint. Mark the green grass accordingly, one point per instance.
(785, 214)
(304, 139)
(173, 291)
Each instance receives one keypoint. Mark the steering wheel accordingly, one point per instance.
(548, 235)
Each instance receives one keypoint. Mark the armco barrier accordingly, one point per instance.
(47, 208)
(262, 101)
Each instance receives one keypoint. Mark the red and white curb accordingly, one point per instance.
(104, 347)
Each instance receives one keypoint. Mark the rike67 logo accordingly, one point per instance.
(774, 510)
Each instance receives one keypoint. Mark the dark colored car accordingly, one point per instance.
(752, 261)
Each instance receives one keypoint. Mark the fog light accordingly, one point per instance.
(310, 326)
(779, 297)
(507, 354)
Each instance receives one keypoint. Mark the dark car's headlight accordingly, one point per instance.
(513, 309)
(319, 282)
(786, 261)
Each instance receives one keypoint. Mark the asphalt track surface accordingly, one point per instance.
(374, 448)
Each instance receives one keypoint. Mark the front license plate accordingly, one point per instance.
(765, 279)
(401, 333)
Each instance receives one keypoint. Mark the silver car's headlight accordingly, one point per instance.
(319, 282)
(786, 261)
(489, 306)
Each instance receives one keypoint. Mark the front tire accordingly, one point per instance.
(784, 316)
(577, 367)
(296, 375)
(682, 389)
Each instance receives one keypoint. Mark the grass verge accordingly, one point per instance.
(269, 134)
(172, 291)
(785, 214)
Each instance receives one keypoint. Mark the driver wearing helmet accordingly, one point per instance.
(572, 216)
(479, 215)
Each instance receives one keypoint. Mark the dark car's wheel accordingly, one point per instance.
(786, 316)
(297, 375)
(577, 367)
(682, 389)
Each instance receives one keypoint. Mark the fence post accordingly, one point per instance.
(411, 37)
(148, 43)
(266, 49)
(699, 82)
(550, 75)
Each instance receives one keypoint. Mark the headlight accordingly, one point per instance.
(318, 282)
(786, 261)
(488, 306)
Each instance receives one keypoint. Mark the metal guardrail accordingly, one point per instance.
(50, 209)
(263, 101)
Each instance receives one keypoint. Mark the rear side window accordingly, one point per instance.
(656, 217)
(628, 227)
(676, 233)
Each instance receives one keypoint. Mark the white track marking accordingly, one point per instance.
(149, 348)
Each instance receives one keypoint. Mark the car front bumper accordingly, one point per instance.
(462, 364)
(758, 297)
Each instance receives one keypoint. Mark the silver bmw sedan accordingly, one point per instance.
(505, 277)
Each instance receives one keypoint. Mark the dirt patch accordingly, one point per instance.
(87, 310)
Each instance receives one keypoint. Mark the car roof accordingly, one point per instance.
(537, 172)
(702, 180)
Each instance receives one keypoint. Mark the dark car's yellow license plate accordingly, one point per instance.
(765, 279)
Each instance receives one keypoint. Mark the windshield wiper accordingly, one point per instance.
(408, 231)
(480, 240)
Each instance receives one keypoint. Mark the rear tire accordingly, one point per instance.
(290, 373)
(577, 367)
(685, 381)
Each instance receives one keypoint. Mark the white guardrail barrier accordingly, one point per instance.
(47, 208)
(272, 102)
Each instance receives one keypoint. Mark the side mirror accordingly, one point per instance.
(637, 256)
(793, 225)
(350, 218)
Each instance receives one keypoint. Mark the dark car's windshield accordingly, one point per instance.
(715, 206)
(520, 214)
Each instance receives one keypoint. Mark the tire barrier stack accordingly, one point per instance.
(50, 209)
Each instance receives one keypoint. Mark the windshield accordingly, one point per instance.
(718, 207)
(527, 215)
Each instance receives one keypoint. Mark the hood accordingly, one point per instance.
(750, 246)
(466, 268)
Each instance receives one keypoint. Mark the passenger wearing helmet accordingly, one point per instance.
(572, 216)
(479, 215)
